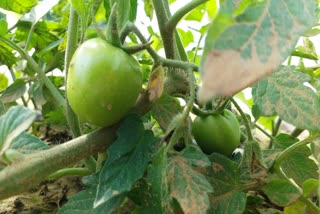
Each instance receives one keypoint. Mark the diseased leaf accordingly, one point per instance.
(188, 186)
(14, 91)
(281, 192)
(127, 160)
(157, 179)
(164, 110)
(230, 203)
(242, 49)
(285, 94)
(225, 178)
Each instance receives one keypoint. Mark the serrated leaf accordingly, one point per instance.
(127, 160)
(285, 94)
(13, 123)
(188, 186)
(19, 6)
(14, 91)
(157, 179)
(82, 202)
(257, 41)
(164, 110)
(281, 193)
(27, 144)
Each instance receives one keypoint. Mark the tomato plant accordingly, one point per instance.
(103, 82)
(196, 52)
(217, 133)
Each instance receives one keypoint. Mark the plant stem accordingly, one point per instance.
(36, 167)
(72, 41)
(55, 93)
(277, 163)
(276, 127)
(177, 16)
(245, 119)
(163, 14)
(276, 167)
(69, 172)
(130, 27)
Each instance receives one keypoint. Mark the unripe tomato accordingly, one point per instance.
(103, 82)
(217, 133)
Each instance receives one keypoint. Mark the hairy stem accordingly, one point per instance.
(70, 49)
(245, 119)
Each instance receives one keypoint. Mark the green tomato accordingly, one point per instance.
(103, 82)
(217, 133)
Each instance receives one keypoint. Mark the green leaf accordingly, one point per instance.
(164, 110)
(127, 160)
(82, 202)
(310, 187)
(18, 6)
(148, 8)
(157, 179)
(12, 124)
(3, 82)
(6, 55)
(187, 185)
(43, 35)
(3, 27)
(296, 208)
(127, 11)
(14, 91)
(281, 193)
(285, 94)
(225, 179)
(258, 41)
(27, 144)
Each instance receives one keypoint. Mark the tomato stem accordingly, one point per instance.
(245, 119)
(55, 93)
(72, 40)
(177, 16)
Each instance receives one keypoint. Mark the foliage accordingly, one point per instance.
(195, 62)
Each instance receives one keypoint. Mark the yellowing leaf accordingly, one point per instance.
(155, 84)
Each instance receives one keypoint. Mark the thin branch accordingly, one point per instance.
(175, 18)
(55, 93)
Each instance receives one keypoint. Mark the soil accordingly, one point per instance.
(46, 199)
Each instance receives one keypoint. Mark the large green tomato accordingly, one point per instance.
(103, 82)
(217, 133)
